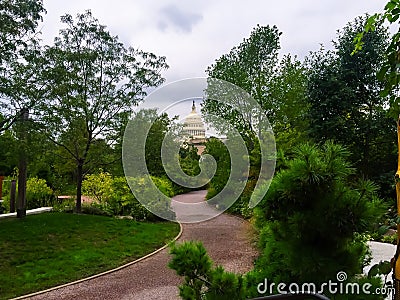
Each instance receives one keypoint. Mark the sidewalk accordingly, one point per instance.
(28, 212)
(380, 251)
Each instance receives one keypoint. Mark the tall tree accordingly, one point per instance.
(20, 88)
(249, 66)
(345, 100)
(95, 80)
(289, 103)
(160, 127)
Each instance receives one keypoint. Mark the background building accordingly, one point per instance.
(194, 131)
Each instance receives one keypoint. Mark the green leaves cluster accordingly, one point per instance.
(38, 193)
(113, 195)
(345, 103)
(20, 85)
(18, 22)
(201, 279)
(389, 71)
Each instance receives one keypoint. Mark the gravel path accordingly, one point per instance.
(226, 238)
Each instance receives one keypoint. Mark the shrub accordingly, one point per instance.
(98, 186)
(201, 279)
(164, 185)
(312, 217)
(38, 194)
(114, 196)
(154, 202)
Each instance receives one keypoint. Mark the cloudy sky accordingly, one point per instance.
(192, 34)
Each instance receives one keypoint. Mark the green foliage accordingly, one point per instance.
(8, 157)
(19, 20)
(345, 100)
(93, 80)
(20, 87)
(164, 185)
(218, 150)
(279, 87)
(287, 95)
(249, 66)
(391, 239)
(189, 160)
(382, 267)
(388, 72)
(161, 204)
(312, 217)
(38, 194)
(158, 130)
(201, 279)
(98, 186)
(113, 195)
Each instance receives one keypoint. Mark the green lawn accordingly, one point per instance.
(49, 249)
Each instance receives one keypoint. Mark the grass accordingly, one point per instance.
(49, 249)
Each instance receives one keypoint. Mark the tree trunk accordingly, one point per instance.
(79, 187)
(21, 199)
(22, 165)
(12, 195)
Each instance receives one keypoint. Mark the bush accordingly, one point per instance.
(201, 279)
(160, 204)
(164, 185)
(98, 186)
(38, 194)
(114, 197)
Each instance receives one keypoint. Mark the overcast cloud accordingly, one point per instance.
(192, 34)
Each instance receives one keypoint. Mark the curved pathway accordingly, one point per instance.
(228, 242)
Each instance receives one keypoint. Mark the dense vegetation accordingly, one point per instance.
(64, 108)
(336, 156)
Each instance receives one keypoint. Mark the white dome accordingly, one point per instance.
(193, 126)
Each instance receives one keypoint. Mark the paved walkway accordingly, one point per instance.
(28, 212)
(225, 237)
(380, 252)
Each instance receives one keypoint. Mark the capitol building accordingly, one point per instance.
(194, 131)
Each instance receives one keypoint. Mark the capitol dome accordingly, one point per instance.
(193, 126)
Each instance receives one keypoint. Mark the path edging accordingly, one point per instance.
(105, 272)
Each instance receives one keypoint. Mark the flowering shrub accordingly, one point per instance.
(38, 194)
(114, 196)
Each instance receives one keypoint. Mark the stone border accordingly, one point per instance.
(103, 273)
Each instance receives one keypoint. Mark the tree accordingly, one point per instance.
(388, 72)
(8, 157)
(345, 100)
(160, 127)
(288, 90)
(95, 80)
(217, 149)
(249, 66)
(313, 217)
(20, 88)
